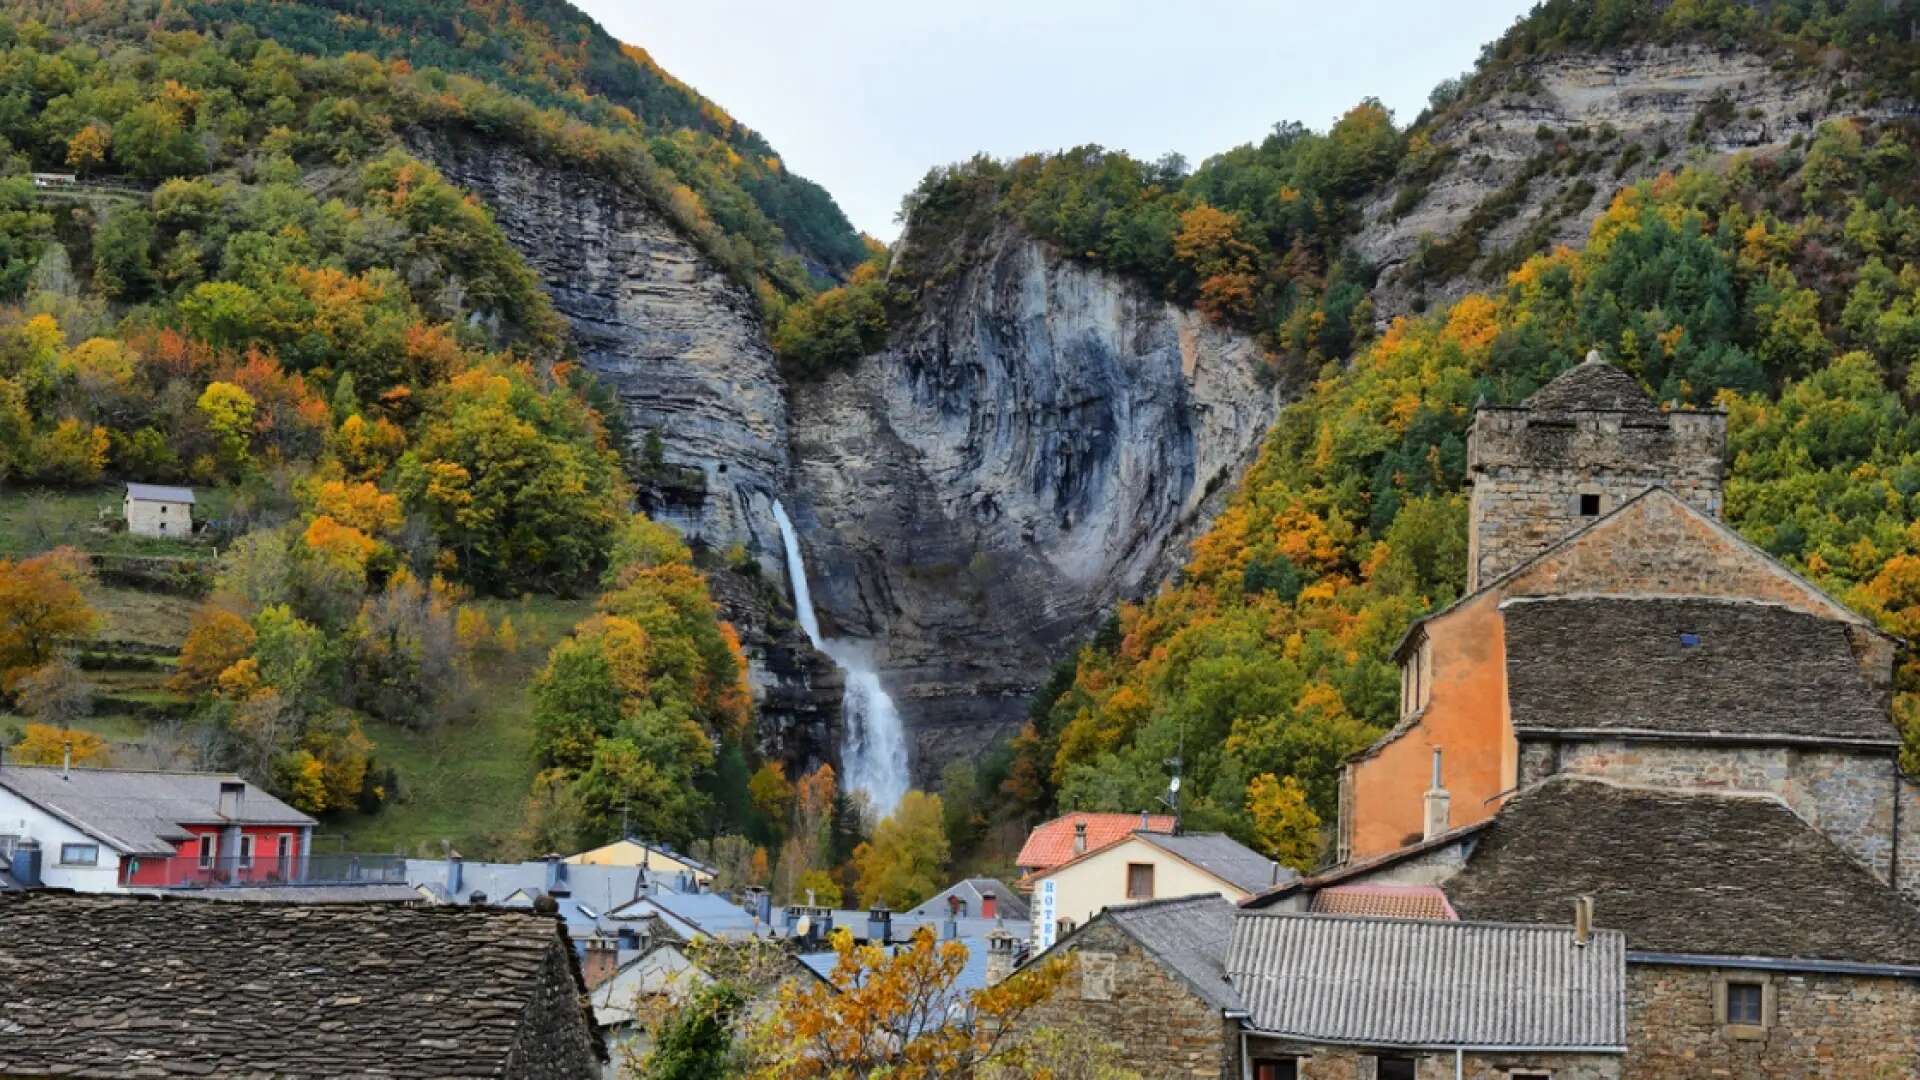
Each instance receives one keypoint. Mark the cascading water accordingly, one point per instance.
(874, 748)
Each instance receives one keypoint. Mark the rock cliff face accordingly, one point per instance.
(678, 342)
(1531, 163)
(1037, 445)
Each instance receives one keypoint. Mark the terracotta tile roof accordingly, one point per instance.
(128, 986)
(1051, 843)
(1695, 872)
(1385, 902)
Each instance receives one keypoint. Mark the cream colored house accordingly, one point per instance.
(1145, 866)
(159, 510)
(657, 859)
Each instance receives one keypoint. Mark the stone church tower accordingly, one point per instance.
(1587, 442)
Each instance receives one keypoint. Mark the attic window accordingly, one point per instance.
(1589, 505)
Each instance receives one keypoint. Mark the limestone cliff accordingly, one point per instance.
(1532, 155)
(676, 340)
(1036, 444)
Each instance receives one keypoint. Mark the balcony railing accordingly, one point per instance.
(230, 871)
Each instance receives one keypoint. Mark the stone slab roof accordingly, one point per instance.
(1685, 665)
(1592, 386)
(1684, 872)
(122, 986)
(1051, 843)
(1190, 936)
(1391, 982)
(137, 811)
(1384, 902)
(1223, 857)
(166, 493)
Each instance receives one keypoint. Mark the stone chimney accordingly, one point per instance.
(879, 925)
(999, 955)
(1583, 921)
(989, 905)
(1439, 804)
(602, 960)
(1079, 838)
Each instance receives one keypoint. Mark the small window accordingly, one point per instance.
(79, 854)
(1589, 505)
(1745, 1003)
(208, 846)
(1276, 1069)
(1529, 1074)
(1394, 1068)
(1139, 881)
(246, 852)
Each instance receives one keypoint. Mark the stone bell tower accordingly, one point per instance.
(1573, 452)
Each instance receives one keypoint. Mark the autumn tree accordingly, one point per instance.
(48, 744)
(216, 639)
(905, 859)
(896, 1013)
(41, 604)
(1284, 826)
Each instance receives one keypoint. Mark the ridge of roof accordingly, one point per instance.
(1335, 875)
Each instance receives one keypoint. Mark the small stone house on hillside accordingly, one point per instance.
(159, 510)
(125, 986)
(1144, 865)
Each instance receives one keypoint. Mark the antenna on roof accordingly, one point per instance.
(1172, 797)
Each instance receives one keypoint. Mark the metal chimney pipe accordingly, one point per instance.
(1583, 921)
(66, 760)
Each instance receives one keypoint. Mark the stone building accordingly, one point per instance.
(159, 510)
(1635, 705)
(125, 986)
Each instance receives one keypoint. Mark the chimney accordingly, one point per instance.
(66, 760)
(950, 929)
(879, 925)
(601, 962)
(233, 794)
(25, 864)
(1146, 821)
(1583, 921)
(556, 876)
(1079, 838)
(478, 899)
(1439, 804)
(453, 876)
(989, 905)
(999, 955)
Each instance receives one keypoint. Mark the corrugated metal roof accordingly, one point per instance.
(1391, 982)
(140, 813)
(160, 493)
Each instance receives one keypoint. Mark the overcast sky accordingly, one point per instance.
(863, 96)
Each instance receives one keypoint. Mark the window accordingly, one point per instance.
(8, 842)
(1529, 1074)
(79, 854)
(1276, 1069)
(1744, 1003)
(1589, 505)
(1139, 881)
(246, 852)
(208, 845)
(1393, 1068)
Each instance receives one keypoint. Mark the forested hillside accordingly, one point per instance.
(254, 289)
(1781, 286)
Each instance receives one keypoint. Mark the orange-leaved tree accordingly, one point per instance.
(41, 603)
(897, 1013)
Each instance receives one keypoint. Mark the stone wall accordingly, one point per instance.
(1120, 995)
(1529, 473)
(557, 1039)
(1348, 1063)
(1848, 796)
(1863, 1027)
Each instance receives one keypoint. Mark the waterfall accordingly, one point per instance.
(873, 748)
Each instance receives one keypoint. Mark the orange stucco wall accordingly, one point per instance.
(1465, 718)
